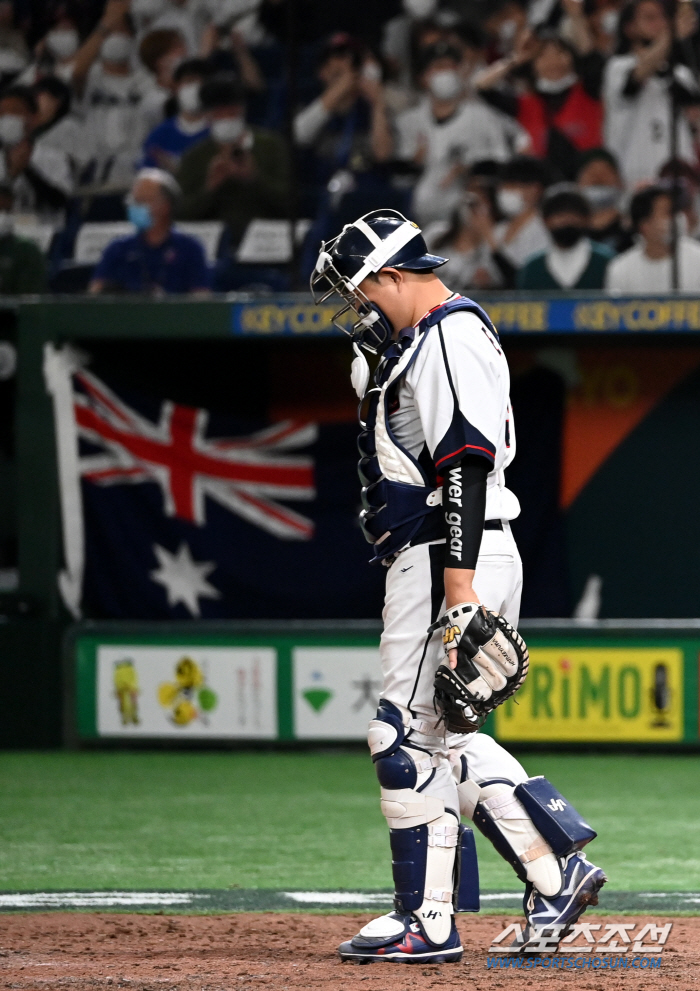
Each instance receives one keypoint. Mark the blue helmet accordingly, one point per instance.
(380, 239)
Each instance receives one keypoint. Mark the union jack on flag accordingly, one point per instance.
(169, 511)
(247, 475)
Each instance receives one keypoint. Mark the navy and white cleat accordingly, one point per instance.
(399, 938)
(580, 887)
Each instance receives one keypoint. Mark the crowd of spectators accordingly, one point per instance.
(531, 139)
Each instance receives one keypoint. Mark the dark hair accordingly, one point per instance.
(471, 34)
(642, 205)
(596, 155)
(58, 90)
(23, 93)
(193, 67)
(627, 15)
(525, 168)
(565, 197)
(546, 36)
(156, 44)
(441, 49)
(221, 90)
(340, 45)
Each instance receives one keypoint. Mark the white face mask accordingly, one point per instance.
(419, 9)
(188, 98)
(116, 48)
(609, 21)
(11, 129)
(507, 31)
(511, 202)
(227, 129)
(62, 42)
(601, 197)
(556, 85)
(445, 85)
(147, 8)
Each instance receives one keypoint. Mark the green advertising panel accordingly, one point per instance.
(322, 682)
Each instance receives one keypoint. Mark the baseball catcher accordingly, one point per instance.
(437, 434)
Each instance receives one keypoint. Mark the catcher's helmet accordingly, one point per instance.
(380, 239)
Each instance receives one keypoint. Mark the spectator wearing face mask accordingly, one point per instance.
(504, 23)
(464, 241)
(166, 144)
(522, 232)
(111, 110)
(445, 133)
(599, 180)
(54, 53)
(647, 268)
(157, 259)
(239, 172)
(398, 38)
(561, 112)
(637, 89)
(346, 129)
(39, 175)
(22, 265)
(573, 260)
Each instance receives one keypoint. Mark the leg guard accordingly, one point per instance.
(557, 820)
(423, 840)
(503, 819)
(423, 833)
(466, 896)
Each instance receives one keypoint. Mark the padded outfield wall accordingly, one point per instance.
(607, 405)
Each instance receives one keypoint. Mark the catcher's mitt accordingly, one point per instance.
(492, 662)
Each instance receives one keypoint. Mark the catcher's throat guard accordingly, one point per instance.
(492, 663)
(380, 239)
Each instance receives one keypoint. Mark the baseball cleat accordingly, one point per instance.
(398, 938)
(580, 887)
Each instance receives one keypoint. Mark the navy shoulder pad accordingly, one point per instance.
(455, 305)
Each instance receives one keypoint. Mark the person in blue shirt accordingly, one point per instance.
(156, 260)
(167, 143)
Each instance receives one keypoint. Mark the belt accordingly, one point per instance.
(493, 525)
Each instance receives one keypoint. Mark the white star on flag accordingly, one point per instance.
(183, 578)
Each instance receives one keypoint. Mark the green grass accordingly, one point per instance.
(300, 820)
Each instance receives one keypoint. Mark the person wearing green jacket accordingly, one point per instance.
(572, 261)
(238, 173)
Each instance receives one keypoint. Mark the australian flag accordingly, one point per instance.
(172, 512)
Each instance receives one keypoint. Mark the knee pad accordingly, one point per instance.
(504, 820)
(386, 731)
(557, 820)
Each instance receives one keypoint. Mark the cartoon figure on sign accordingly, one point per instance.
(126, 688)
(188, 697)
(660, 696)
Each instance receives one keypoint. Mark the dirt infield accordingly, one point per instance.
(282, 951)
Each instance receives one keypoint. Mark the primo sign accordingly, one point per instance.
(588, 694)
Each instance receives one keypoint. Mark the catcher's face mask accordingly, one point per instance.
(371, 329)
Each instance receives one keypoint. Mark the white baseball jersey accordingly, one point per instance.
(637, 128)
(454, 400)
